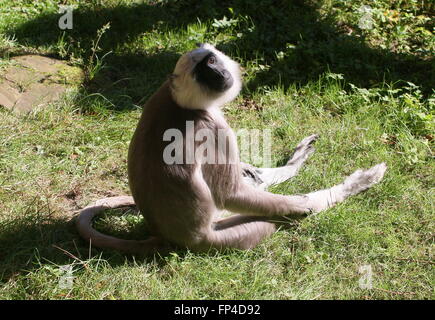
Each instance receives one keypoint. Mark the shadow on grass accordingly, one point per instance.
(30, 242)
(319, 45)
(37, 239)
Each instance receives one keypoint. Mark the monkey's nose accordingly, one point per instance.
(228, 81)
(226, 74)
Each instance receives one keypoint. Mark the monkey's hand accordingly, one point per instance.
(251, 174)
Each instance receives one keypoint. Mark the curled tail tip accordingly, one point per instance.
(83, 223)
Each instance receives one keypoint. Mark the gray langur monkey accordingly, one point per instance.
(183, 202)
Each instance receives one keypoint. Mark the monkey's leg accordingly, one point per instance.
(244, 231)
(265, 177)
(251, 201)
(238, 231)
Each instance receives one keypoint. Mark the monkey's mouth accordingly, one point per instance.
(224, 82)
(217, 82)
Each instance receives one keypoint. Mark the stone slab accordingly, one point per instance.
(34, 81)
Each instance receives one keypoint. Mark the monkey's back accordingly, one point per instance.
(166, 194)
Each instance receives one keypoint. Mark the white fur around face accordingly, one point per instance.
(187, 92)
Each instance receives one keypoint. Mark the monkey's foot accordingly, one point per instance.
(357, 182)
(361, 180)
(303, 150)
(265, 177)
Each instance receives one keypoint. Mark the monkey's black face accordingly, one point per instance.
(212, 74)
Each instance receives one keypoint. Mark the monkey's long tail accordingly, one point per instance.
(83, 222)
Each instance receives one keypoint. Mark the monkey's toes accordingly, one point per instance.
(361, 180)
(303, 149)
(308, 140)
(377, 172)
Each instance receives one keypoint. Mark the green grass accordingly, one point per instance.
(368, 93)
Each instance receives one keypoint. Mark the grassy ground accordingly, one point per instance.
(308, 69)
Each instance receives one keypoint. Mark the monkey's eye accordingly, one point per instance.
(211, 60)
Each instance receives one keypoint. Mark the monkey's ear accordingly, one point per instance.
(200, 45)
